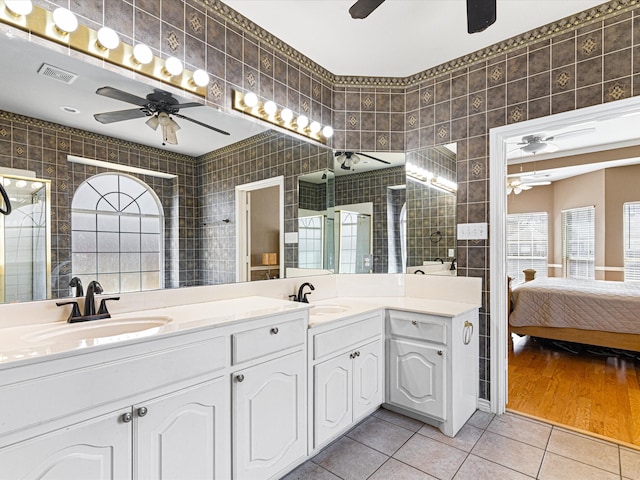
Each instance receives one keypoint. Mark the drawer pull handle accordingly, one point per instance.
(240, 378)
(414, 322)
(274, 331)
(440, 352)
(127, 417)
(142, 411)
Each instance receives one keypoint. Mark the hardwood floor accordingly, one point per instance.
(596, 393)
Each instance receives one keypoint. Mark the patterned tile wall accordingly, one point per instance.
(588, 59)
(42, 147)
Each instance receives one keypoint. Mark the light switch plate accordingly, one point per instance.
(472, 231)
(290, 237)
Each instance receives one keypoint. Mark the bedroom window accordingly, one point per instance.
(527, 244)
(578, 242)
(631, 214)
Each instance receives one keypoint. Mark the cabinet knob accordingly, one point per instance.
(240, 378)
(142, 411)
(414, 322)
(127, 417)
(274, 331)
(440, 352)
(357, 354)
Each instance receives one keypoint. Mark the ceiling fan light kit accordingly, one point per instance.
(348, 160)
(268, 111)
(62, 26)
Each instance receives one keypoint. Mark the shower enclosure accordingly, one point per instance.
(25, 240)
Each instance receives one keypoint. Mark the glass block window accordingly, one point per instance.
(631, 225)
(117, 226)
(578, 242)
(527, 244)
(310, 241)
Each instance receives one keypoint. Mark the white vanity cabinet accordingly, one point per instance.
(432, 367)
(172, 428)
(348, 373)
(269, 401)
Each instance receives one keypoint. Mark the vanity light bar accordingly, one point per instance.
(427, 178)
(61, 26)
(268, 111)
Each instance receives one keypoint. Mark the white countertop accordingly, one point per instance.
(38, 342)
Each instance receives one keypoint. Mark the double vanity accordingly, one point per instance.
(247, 386)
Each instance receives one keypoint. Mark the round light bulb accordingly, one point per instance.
(108, 38)
(201, 78)
(302, 121)
(18, 7)
(250, 99)
(163, 119)
(270, 107)
(142, 54)
(314, 127)
(173, 66)
(36, 185)
(6, 182)
(286, 115)
(21, 183)
(327, 132)
(65, 20)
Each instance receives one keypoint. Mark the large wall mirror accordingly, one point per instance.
(170, 208)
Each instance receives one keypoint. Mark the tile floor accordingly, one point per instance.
(388, 446)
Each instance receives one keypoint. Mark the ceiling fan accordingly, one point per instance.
(480, 13)
(158, 105)
(540, 142)
(347, 160)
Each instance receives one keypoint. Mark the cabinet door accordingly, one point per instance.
(333, 405)
(368, 370)
(269, 417)
(97, 449)
(184, 434)
(416, 377)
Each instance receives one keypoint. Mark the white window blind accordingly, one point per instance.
(578, 242)
(310, 236)
(527, 244)
(631, 222)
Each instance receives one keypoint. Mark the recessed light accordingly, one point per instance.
(68, 109)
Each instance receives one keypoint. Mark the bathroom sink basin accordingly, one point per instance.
(108, 329)
(328, 309)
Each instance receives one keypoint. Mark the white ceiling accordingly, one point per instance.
(401, 37)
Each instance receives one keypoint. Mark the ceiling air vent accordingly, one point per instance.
(56, 73)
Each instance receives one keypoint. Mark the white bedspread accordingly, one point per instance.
(582, 304)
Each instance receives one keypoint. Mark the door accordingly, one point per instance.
(184, 434)
(333, 401)
(367, 379)
(97, 449)
(416, 377)
(269, 417)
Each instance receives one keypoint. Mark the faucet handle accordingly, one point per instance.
(75, 310)
(293, 297)
(103, 305)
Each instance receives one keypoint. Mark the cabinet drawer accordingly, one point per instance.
(419, 327)
(340, 338)
(266, 340)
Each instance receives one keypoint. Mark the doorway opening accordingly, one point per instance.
(260, 236)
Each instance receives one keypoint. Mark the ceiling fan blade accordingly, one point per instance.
(187, 105)
(582, 131)
(373, 158)
(201, 124)
(480, 15)
(119, 115)
(363, 8)
(122, 96)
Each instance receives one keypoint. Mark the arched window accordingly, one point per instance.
(117, 227)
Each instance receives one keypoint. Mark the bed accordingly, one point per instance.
(593, 312)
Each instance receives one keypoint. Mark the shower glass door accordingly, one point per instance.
(25, 241)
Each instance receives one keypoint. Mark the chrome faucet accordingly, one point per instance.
(302, 296)
(93, 288)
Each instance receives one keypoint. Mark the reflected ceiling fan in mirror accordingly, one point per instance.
(348, 160)
(158, 105)
(542, 142)
(480, 13)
